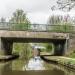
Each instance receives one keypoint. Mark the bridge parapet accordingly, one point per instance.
(36, 27)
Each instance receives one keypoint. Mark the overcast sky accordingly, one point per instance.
(37, 11)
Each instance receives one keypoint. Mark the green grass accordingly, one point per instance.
(72, 55)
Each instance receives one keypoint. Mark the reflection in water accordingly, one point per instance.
(55, 71)
(34, 64)
(18, 65)
(5, 67)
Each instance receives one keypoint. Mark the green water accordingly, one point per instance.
(15, 67)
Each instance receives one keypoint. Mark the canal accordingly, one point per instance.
(30, 64)
(18, 67)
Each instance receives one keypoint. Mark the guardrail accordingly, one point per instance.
(36, 27)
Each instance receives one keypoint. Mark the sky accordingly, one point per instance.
(38, 11)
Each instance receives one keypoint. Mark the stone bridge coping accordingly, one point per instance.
(29, 34)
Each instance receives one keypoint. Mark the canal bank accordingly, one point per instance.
(8, 57)
(14, 67)
(65, 61)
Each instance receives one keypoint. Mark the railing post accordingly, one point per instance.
(65, 28)
(27, 27)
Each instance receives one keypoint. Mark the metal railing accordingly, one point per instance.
(36, 27)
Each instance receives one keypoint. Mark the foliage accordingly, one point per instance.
(72, 55)
(63, 28)
(19, 17)
(23, 49)
(48, 47)
(19, 21)
(64, 5)
(60, 24)
(20, 26)
(54, 20)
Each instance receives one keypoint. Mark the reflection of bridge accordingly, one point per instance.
(11, 33)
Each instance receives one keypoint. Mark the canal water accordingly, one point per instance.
(18, 67)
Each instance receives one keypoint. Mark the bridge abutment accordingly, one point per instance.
(59, 49)
(5, 47)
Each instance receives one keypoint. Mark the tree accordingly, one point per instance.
(19, 17)
(20, 20)
(60, 23)
(65, 5)
(55, 20)
(2, 23)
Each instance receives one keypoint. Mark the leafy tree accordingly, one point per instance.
(54, 20)
(65, 5)
(19, 20)
(19, 17)
(60, 24)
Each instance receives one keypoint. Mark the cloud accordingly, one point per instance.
(37, 11)
(38, 17)
(28, 5)
(34, 8)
